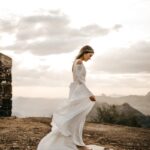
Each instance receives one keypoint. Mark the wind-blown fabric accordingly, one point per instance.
(68, 120)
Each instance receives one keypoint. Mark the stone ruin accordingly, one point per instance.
(5, 86)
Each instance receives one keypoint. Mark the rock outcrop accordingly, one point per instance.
(5, 85)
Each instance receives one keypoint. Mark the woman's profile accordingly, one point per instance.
(68, 121)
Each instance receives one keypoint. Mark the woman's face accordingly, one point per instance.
(87, 56)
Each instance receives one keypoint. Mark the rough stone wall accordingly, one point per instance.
(5, 85)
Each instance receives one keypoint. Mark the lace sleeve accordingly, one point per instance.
(88, 91)
(79, 77)
(78, 73)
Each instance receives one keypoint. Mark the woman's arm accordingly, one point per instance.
(78, 71)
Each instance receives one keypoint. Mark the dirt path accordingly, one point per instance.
(118, 137)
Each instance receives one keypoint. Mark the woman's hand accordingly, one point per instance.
(92, 98)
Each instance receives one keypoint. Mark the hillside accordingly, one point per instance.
(123, 114)
(25, 133)
(139, 102)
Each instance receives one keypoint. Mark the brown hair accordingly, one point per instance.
(85, 49)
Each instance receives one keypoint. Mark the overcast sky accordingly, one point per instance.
(44, 36)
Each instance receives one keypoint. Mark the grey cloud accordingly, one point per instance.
(117, 27)
(39, 76)
(7, 26)
(51, 33)
(134, 59)
(94, 30)
(33, 27)
(42, 77)
(137, 80)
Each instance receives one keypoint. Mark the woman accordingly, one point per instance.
(68, 120)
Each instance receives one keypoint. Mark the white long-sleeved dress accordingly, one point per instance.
(68, 120)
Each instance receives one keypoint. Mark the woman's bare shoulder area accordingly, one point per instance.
(79, 61)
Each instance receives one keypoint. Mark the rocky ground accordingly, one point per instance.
(25, 134)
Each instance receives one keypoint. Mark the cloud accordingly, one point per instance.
(40, 73)
(134, 59)
(42, 77)
(117, 27)
(7, 26)
(49, 33)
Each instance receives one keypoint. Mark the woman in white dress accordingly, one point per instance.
(68, 120)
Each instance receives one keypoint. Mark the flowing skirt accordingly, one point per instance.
(68, 121)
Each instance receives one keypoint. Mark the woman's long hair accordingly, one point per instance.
(85, 49)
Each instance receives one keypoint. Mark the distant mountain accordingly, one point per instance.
(124, 111)
(44, 107)
(121, 109)
(35, 107)
(139, 102)
(128, 110)
(147, 96)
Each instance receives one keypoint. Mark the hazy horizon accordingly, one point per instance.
(38, 106)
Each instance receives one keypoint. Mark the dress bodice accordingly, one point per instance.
(79, 72)
(79, 78)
